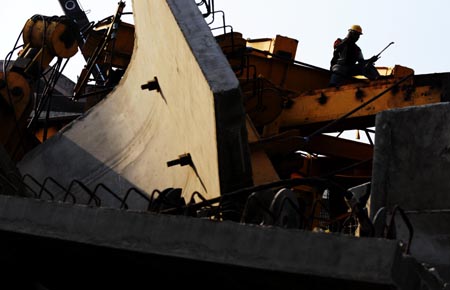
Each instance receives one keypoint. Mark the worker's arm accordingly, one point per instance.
(373, 59)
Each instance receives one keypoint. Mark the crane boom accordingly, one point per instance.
(73, 10)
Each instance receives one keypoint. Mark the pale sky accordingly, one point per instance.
(14, 15)
(417, 28)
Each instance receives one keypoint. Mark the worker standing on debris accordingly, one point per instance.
(348, 59)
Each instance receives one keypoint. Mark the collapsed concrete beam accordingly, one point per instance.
(128, 139)
(327, 259)
(411, 169)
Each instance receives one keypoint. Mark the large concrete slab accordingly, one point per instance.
(411, 169)
(127, 139)
(289, 257)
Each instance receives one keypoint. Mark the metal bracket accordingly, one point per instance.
(182, 160)
(152, 85)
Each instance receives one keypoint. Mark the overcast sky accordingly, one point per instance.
(417, 28)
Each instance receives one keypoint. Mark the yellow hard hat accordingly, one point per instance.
(356, 28)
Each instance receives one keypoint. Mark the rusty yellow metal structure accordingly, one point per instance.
(328, 104)
(44, 39)
(291, 111)
(53, 33)
(15, 107)
(290, 106)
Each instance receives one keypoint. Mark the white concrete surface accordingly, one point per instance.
(127, 139)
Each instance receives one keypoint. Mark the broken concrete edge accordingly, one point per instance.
(410, 172)
(233, 151)
(403, 158)
(204, 46)
(371, 260)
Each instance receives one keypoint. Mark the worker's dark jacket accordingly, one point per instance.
(348, 61)
(346, 53)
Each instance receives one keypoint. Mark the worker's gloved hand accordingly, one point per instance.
(373, 59)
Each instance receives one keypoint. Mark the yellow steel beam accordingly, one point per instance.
(290, 141)
(330, 104)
